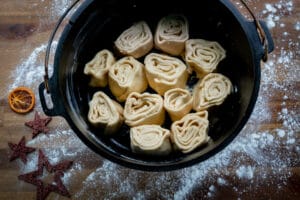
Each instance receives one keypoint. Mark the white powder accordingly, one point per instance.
(282, 25)
(291, 141)
(70, 175)
(211, 189)
(297, 26)
(29, 72)
(243, 159)
(272, 12)
(282, 66)
(221, 181)
(245, 172)
(270, 8)
(280, 133)
(270, 18)
(31, 165)
(58, 7)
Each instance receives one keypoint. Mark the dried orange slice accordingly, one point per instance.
(21, 100)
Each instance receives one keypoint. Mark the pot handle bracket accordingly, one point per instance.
(264, 34)
(47, 101)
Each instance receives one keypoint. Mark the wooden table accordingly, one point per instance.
(269, 170)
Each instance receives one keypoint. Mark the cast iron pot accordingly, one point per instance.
(94, 25)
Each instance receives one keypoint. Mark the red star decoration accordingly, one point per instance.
(44, 189)
(39, 125)
(20, 150)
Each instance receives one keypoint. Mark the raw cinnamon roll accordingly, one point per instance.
(105, 113)
(142, 109)
(150, 139)
(203, 56)
(212, 90)
(190, 132)
(171, 33)
(178, 102)
(98, 68)
(136, 41)
(165, 72)
(125, 76)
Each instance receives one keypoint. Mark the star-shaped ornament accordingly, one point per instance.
(20, 150)
(39, 125)
(43, 188)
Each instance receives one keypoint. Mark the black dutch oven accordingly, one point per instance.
(92, 25)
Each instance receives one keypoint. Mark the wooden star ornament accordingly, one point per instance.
(44, 189)
(20, 150)
(39, 125)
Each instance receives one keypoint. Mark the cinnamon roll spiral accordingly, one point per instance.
(171, 33)
(212, 90)
(105, 113)
(178, 102)
(203, 56)
(150, 139)
(164, 72)
(125, 76)
(98, 68)
(143, 109)
(190, 132)
(136, 41)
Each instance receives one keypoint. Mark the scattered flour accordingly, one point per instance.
(245, 172)
(211, 189)
(29, 72)
(58, 7)
(271, 19)
(273, 12)
(252, 149)
(297, 26)
(31, 165)
(221, 181)
(280, 133)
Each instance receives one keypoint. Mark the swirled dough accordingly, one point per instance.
(143, 109)
(178, 102)
(212, 90)
(164, 72)
(171, 33)
(203, 56)
(150, 140)
(136, 41)
(98, 68)
(190, 132)
(125, 76)
(105, 113)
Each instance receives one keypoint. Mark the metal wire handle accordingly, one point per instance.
(260, 30)
(48, 50)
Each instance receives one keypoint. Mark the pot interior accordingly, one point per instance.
(97, 27)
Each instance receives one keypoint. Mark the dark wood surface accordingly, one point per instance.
(247, 172)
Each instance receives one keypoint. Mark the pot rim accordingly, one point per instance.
(60, 109)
